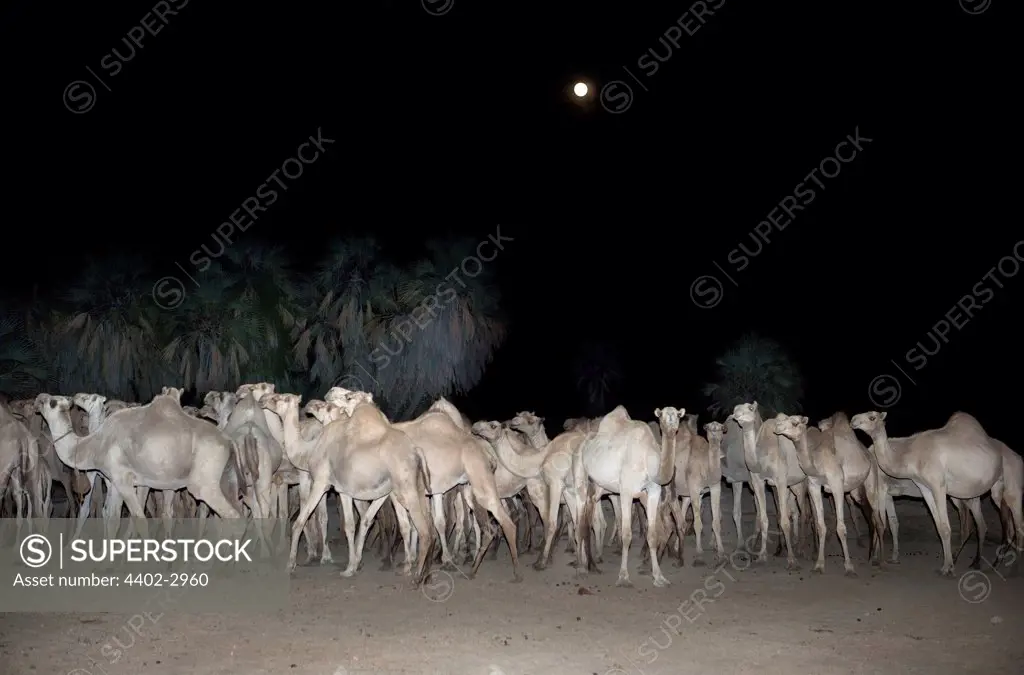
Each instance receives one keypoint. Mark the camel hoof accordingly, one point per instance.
(976, 565)
(449, 565)
(699, 561)
(661, 582)
(516, 579)
(596, 570)
(793, 566)
(851, 573)
(679, 563)
(818, 570)
(943, 572)
(347, 573)
(876, 563)
(759, 559)
(385, 566)
(540, 565)
(893, 561)
(624, 582)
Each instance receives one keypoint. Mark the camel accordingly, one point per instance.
(544, 470)
(770, 459)
(156, 445)
(363, 457)
(622, 457)
(699, 470)
(289, 474)
(454, 457)
(831, 460)
(259, 456)
(959, 460)
(25, 410)
(19, 457)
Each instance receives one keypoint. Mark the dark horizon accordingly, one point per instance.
(462, 123)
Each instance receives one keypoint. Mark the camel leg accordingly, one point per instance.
(168, 499)
(486, 494)
(86, 508)
(437, 506)
(850, 501)
(737, 513)
(698, 522)
(317, 489)
(471, 507)
(349, 525)
(112, 511)
(936, 502)
(591, 498)
(760, 501)
(715, 495)
(894, 529)
(366, 519)
(411, 493)
(974, 505)
(135, 507)
(616, 533)
(538, 491)
(679, 515)
(785, 521)
(818, 506)
(600, 527)
(405, 529)
(626, 525)
(837, 493)
(461, 541)
(803, 517)
(651, 503)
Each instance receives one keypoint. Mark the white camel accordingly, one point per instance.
(958, 460)
(622, 457)
(770, 459)
(156, 445)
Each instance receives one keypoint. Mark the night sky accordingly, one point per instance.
(463, 122)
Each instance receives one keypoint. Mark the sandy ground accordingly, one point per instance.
(901, 619)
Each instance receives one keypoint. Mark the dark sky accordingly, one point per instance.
(462, 122)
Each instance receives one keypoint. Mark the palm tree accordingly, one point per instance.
(23, 366)
(329, 334)
(598, 376)
(112, 343)
(234, 327)
(755, 368)
(406, 335)
(440, 330)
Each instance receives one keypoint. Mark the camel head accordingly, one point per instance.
(868, 422)
(258, 390)
(489, 430)
(715, 431)
(347, 400)
(190, 410)
(221, 403)
(90, 403)
(52, 405)
(24, 408)
(279, 404)
(173, 392)
(744, 413)
(791, 426)
(526, 422)
(825, 424)
(206, 412)
(669, 418)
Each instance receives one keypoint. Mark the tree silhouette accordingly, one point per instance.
(755, 369)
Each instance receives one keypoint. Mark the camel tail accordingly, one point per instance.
(424, 471)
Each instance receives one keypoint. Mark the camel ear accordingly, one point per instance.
(682, 411)
(881, 415)
(803, 420)
(657, 413)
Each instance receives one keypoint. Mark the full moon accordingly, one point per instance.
(580, 89)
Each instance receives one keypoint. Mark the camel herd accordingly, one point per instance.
(251, 453)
